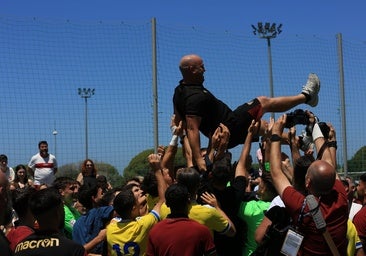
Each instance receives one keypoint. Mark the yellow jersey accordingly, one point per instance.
(129, 237)
(204, 214)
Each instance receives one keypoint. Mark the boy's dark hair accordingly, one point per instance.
(301, 166)
(62, 182)
(102, 182)
(20, 199)
(123, 203)
(222, 171)
(190, 178)
(177, 197)
(108, 197)
(137, 179)
(44, 200)
(130, 186)
(85, 195)
(149, 184)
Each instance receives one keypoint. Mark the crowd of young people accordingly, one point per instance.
(214, 205)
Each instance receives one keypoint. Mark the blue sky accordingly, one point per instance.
(306, 18)
(325, 17)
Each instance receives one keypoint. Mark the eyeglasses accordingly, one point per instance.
(89, 165)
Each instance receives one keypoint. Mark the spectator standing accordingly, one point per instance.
(43, 166)
(21, 179)
(9, 172)
(88, 174)
(169, 237)
(47, 207)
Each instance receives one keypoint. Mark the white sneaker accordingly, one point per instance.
(311, 90)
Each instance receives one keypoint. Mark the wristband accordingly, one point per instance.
(332, 144)
(275, 137)
(173, 128)
(174, 141)
(317, 133)
(267, 166)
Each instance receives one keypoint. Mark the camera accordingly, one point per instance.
(325, 129)
(306, 141)
(298, 116)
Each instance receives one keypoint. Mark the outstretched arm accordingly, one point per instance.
(155, 165)
(294, 144)
(241, 169)
(280, 181)
(332, 144)
(218, 144)
(167, 161)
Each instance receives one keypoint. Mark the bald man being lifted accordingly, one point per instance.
(202, 111)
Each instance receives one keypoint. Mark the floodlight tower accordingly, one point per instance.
(86, 93)
(268, 31)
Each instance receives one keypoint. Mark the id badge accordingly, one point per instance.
(292, 243)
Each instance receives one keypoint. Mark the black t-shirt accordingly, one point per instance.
(230, 199)
(194, 99)
(91, 181)
(43, 244)
(4, 245)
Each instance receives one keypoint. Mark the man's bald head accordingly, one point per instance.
(192, 69)
(189, 60)
(320, 178)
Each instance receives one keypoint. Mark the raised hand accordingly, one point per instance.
(210, 199)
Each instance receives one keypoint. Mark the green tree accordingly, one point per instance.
(140, 166)
(358, 162)
(111, 173)
(69, 170)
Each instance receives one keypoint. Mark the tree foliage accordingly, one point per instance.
(140, 166)
(358, 162)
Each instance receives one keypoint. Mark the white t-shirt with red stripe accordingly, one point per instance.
(44, 169)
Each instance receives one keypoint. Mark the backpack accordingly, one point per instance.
(275, 234)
